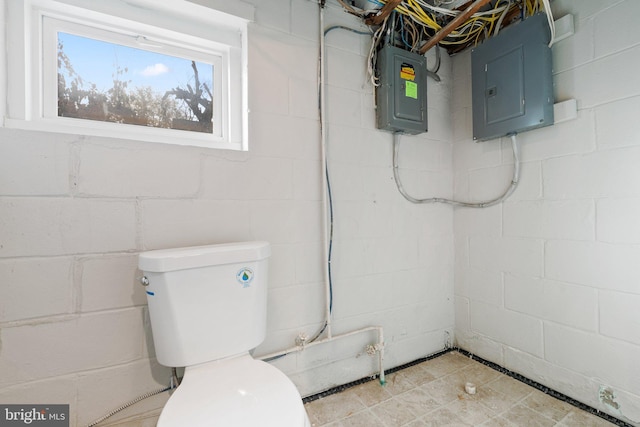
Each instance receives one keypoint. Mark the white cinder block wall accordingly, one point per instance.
(548, 283)
(75, 211)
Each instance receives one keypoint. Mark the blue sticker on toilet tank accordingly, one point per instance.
(244, 277)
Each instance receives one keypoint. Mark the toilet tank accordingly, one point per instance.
(206, 302)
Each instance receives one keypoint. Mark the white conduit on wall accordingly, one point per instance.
(484, 204)
(303, 343)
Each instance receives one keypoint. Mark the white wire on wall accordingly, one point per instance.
(552, 26)
(485, 204)
(302, 342)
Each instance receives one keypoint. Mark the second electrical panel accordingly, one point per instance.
(512, 83)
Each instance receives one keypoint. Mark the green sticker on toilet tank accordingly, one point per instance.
(411, 90)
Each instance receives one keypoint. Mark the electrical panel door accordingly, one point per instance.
(511, 78)
(401, 97)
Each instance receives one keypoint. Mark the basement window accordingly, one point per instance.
(132, 69)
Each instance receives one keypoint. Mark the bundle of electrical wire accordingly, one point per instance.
(425, 19)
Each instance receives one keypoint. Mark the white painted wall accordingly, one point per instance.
(75, 211)
(547, 284)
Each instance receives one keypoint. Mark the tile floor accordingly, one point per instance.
(432, 394)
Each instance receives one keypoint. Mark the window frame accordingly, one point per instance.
(177, 30)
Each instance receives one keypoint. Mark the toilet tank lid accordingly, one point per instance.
(202, 256)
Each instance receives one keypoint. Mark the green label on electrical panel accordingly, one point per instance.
(411, 90)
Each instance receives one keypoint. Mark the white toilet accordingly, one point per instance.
(208, 307)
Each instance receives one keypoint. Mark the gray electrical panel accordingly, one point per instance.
(511, 77)
(401, 97)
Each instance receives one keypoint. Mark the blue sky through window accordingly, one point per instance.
(97, 62)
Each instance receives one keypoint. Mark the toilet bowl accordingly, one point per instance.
(239, 391)
(207, 307)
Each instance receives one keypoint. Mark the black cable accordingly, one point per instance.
(330, 200)
(342, 27)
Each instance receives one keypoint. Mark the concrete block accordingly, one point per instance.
(473, 222)
(530, 182)
(176, 223)
(614, 28)
(617, 220)
(468, 154)
(418, 154)
(440, 124)
(295, 305)
(461, 317)
(561, 139)
(346, 144)
(285, 221)
(344, 69)
(377, 149)
(435, 221)
(268, 81)
(167, 171)
(417, 184)
(52, 226)
(509, 255)
(572, 384)
(303, 98)
(584, 83)
(583, 10)
(355, 43)
(607, 173)
(619, 316)
(110, 282)
(463, 129)
(363, 295)
(461, 89)
(348, 182)
(485, 347)
(345, 106)
(436, 253)
(462, 254)
(575, 50)
(282, 265)
(352, 257)
(274, 14)
(274, 135)
(482, 285)
(309, 262)
(617, 124)
(599, 265)
(304, 19)
(57, 390)
(46, 350)
(96, 390)
(362, 220)
(396, 254)
(257, 178)
(573, 349)
(507, 327)
(490, 183)
(34, 163)
(565, 303)
(36, 287)
(571, 219)
(307, 180)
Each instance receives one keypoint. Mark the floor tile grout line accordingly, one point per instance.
(546, 390)
(344, 387)
(522, 379)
